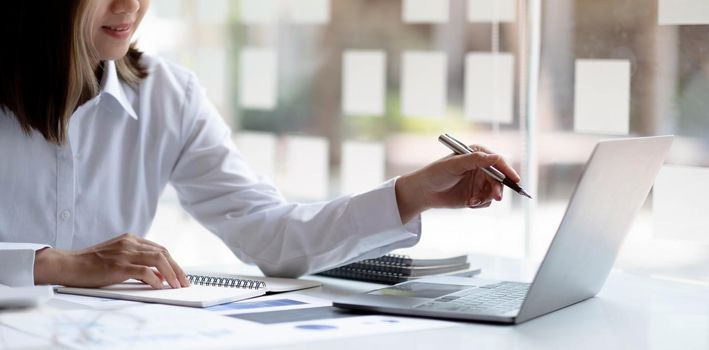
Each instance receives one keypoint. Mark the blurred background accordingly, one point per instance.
(327, 98)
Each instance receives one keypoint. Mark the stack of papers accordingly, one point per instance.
(251, 323)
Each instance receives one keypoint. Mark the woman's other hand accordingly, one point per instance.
(114, 261)
(456, 181)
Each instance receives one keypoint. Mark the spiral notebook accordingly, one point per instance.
(206, 290)
(397, 268)
(416, 260)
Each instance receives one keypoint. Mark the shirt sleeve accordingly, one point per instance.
(17, 263)
(216, 186)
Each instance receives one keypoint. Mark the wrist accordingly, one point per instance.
(409, 198)
(49, 266)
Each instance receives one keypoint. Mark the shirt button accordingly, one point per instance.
(65, 215)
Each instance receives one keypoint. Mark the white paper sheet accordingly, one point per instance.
(602, 96)
(424, 84)
(13, 339)
(258, 78)
(165, 327)
(95, 302)
(258, 11)
(307, 170)
(357, 326)
(363, 82)
(309, 11)
(363, 166)
(680, 204)
(489, 87)
(492, 10)
(142, 327)
(683, 12)
(426, 11)
(259, 151)
(277, 302)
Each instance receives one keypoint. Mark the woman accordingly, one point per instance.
(91, 131)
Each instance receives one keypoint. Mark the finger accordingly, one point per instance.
(181, 275)
(481, 148)
(179, 272)
(145, 274)
(481, 205)
(491, 190)
(501, 165)
(155, 258)
(474, 202)
(129, 237)
(506, 169)
(467, 162)
(486, 191)
(170, 274)
(497, 191)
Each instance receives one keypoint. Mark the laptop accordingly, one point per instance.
(615, 182)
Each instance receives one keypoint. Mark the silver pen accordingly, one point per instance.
(460, 148)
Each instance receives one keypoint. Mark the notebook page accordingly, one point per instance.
(195, 295)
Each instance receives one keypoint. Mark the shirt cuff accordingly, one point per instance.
(17, 263)
(378, 222)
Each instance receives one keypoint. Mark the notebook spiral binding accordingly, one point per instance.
(390, 268)
(389, 260)
(225, 282)
(373, 275)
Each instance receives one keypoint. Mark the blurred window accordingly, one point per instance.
(339, 80)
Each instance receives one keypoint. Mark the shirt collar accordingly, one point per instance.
(111, 85)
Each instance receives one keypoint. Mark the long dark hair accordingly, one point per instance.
(46, 64)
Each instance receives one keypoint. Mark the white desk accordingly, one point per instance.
(631, 312)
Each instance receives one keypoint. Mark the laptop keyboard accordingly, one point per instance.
(497, 298)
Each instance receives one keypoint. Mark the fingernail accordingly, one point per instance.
(474, 202)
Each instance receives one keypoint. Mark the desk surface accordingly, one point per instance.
(631, 312)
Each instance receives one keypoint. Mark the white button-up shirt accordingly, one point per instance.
(126, 144)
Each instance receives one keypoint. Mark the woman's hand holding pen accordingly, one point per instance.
(456, 181)
(114, 261)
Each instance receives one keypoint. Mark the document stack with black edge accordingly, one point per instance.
(397, 268)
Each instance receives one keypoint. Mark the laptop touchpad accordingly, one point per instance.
(419, 290)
